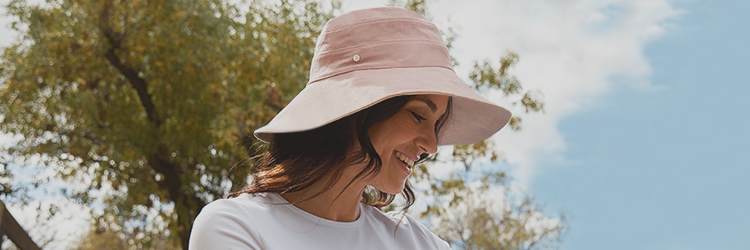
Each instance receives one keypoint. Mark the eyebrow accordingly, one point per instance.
(427, 101)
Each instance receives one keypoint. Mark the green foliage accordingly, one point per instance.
(155, 100)
(481, 213)
(485, 78)
(467, 154)
(479, 222)
(98, 239)
(5, 178)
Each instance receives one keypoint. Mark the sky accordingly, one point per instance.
(645, 125)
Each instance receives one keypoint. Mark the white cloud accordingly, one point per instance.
(571, 50)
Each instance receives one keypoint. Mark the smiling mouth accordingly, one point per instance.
(404, 159)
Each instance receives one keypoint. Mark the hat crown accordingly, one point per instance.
(378, 38)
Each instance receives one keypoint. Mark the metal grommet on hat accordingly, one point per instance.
(405, 56)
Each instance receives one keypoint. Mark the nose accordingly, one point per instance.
(427, 141)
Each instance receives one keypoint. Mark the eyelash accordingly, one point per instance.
(419, 117)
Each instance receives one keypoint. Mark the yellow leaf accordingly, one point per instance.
(178, 15)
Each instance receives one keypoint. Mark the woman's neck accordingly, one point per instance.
(339, 203)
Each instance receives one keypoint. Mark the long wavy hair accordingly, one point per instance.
(296, 161)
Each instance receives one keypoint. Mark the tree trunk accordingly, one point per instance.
(186, 206)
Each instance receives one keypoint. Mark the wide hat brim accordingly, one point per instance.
(474, 118)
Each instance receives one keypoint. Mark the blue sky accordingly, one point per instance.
(645, 132)
(644, 138)
(665, 169)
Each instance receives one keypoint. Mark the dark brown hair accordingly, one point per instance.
(296, 161)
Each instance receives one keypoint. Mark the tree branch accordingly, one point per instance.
(139, 84)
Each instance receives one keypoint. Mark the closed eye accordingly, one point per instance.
(419, 117)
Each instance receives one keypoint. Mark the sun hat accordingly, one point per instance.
(366, 56)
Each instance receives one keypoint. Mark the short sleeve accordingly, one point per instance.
(223, 224)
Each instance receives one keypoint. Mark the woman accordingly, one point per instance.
(382, 95)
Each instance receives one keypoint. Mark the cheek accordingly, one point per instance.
(388, 139)
(392, 132)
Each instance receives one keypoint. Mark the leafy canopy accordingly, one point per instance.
(152, 100)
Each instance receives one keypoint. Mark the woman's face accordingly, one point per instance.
(402, 138)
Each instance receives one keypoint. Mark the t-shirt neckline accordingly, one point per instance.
(319, 220)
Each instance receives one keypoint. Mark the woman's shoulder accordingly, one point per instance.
(231, 221)
(241, 204)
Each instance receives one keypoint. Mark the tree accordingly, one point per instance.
(153, 103)
(155, 100)
(100, 239)
(479, 222)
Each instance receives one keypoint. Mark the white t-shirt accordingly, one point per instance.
(267, 221)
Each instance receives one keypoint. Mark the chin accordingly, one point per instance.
(394, 190)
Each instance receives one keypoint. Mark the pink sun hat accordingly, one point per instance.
(366, 56)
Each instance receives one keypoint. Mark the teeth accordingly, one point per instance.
(404, 159)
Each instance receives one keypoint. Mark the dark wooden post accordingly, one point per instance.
(9, 226)
(2, 212)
